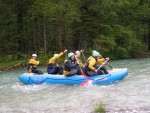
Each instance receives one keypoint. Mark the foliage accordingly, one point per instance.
(105, 44)
(136, 49)
(122, 53)
(118, 28)
(100, 108)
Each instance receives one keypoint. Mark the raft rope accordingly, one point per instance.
(49, 78)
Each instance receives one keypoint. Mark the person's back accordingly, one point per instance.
(32, 65)
(53, 67)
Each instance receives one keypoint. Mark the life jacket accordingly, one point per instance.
(73, 61)
(32, 65)
(66, 67)
(87, 64)
(70, 64)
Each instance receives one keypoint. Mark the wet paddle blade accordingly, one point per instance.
(85, 82)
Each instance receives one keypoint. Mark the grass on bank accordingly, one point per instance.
(5, 65)
(100, 108)
(9, 62)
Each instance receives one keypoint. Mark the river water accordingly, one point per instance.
(131, 95)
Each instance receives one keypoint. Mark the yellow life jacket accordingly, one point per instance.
(91, 63)
(66, 72)
(32, 64)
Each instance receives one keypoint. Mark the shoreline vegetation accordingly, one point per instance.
(9, 62)
(112, 27)
(118, 29)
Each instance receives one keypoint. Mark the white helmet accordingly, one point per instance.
(34, 55)
(77, 52)
(55, 55)
(94, 51)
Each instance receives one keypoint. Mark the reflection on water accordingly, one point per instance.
(132, 95)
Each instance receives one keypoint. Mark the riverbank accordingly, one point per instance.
(12, 65)
(9, 63)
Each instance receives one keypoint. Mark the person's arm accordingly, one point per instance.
(53, 59)
(34, 62)
(100, 60)
(78, 55)
(80, 63)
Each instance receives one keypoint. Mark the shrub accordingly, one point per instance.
(122, 53)
(100, 108)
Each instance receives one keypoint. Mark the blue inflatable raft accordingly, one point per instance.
(114, 75)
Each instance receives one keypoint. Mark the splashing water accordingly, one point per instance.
(131, 95)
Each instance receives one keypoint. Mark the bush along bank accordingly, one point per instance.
(12, 61)
(12, 65)
(9, 62)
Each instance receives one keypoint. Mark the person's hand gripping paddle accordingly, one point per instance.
(87, 81)
(80, 68)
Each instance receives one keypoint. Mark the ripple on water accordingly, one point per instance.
(32, 88)
(128, 109)
(132, 95)
(6, 110)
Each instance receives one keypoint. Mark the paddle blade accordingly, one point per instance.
(85, 82)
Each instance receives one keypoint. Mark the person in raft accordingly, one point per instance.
(32, 65)
(78, 54)
(91, 67)
(53, 67)
(71, 67)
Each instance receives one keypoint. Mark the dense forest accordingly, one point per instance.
(117, 28)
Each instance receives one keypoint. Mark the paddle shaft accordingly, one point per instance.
(102, 78)
(86, 81)
(80, 67)
(83, 56)
(108, 63)
(110, 66)
(66, 56)
(102, 65)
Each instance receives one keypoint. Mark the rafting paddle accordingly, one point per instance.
(80, 67)
(83, 55)
(85, 61)
(89, 79)
(107, 63)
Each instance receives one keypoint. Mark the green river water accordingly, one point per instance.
(131, 95)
